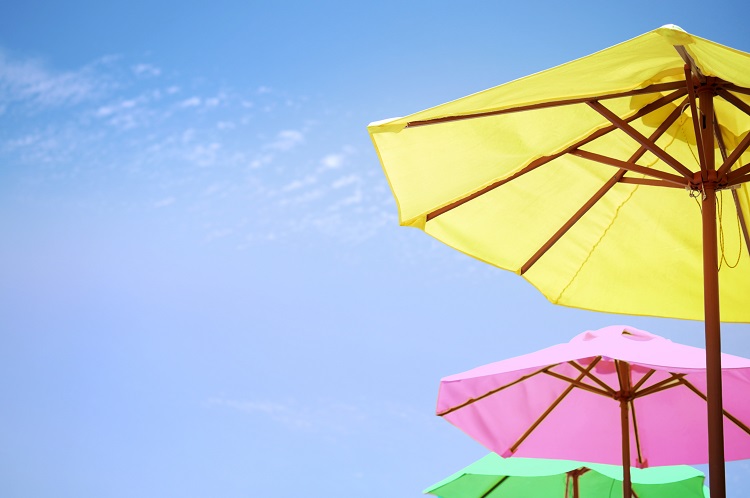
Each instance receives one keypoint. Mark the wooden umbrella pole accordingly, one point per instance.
(626, 484)
(713, 347)
(623, 373)
(712, 319)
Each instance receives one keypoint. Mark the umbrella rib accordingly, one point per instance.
(728, 415)
(739, 173)
(736, 88)
(635, 431)
(741, 217)
(493, 488)
(734, 100)
(659, 386)
(734, 156)
(545, 159)
(579, 384)
(643, 380)
(738, 180)
(596, 379)
(690, 62)
(736, 153)
(694, 112)
(611, 161)
(735, 195)
(663, 127)
(641, 139)
(741, 105)
(497, 390)
(650, 182)
(549, 409)
(658, 88)
(573, 220)
(601, 192)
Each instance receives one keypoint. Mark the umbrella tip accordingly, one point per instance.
(673, 27)
(614, 331)
(675, 34)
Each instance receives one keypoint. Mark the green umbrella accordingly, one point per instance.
(497, 477)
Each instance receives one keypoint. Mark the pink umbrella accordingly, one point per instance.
(614, 395)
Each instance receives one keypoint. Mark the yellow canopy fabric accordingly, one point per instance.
(638, 249)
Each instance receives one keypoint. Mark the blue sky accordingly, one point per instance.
(204, 291)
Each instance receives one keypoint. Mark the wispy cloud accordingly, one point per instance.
(204, 154)
(336, 160)
(288, 414)
(167, 201)
(286, 140)
(204, 145)
(31, 82)
(332, 416)
(191, 102)
(345, 180)
(146, 70)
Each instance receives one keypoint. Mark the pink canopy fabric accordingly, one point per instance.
(573, 401)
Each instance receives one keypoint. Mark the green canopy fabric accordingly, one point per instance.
(497, 477)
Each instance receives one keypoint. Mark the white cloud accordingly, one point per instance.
(191, 102)
(287, 414)
(23, 141)
(345, 180)
(108, 110)
(167, 201)
(309, 196)
(219, 234)
(151, 139)
(287, 140)
(327, 416)
(127, 113)
(30, 82)
(204, 155)
(261, 160)
(188, 135)
(336, 160)
(146, 70)
(332, 161)
(297, 184)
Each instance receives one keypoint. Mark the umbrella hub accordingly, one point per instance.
(708, 179)
(623, 396)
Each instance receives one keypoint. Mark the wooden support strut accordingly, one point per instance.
(735, 196)
(624, 166)
(494, 487)
(494, 391)
(635, 432)
(657, 88)
(694, 111)
(657, 104)
(638, 137)
(589, 375)
(554, 405)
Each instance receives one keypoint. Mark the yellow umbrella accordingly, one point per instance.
(615, 182)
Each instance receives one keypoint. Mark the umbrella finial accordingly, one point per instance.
(675, 34)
